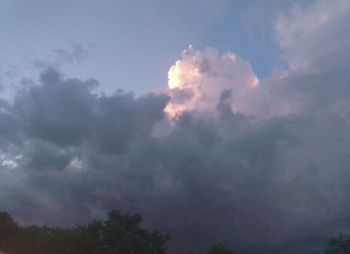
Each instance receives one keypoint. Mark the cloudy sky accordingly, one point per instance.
(218, 120)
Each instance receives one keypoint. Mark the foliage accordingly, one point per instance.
(339, 245)
(8, 231)
(119, 233)
(220, 249)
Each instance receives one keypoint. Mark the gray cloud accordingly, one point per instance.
(260, 185)
(315, 36)
(76, 53)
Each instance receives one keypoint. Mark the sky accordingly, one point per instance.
(133, 42)
(218, 121)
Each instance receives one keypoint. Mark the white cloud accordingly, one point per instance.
(312, 35)
(197, 80)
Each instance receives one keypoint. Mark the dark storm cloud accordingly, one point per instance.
(259, 185)
(67, 142)
(252, 184)
(59, 111)
(8, 124)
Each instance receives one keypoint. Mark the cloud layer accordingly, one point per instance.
(260, 165)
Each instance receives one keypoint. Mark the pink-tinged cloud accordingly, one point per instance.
(315, 36)
(199, 77)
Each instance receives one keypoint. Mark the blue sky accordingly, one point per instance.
(135, 42)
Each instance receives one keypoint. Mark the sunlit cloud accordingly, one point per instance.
(197, 80)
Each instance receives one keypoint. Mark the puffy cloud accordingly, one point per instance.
(58, 129)
(197, 80)
(59, 111)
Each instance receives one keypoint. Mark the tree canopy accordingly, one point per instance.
(339, 245)
(119, 233)
(220, 249)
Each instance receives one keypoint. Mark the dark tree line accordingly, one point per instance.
(339, 245)
(120, 233)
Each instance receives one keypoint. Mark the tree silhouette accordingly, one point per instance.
(119, 234)
(339, 245)
(8, 231)
(220, 249)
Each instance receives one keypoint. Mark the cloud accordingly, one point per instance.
(75, 54)
(197, 80)
(259, 164)
(315, 35)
